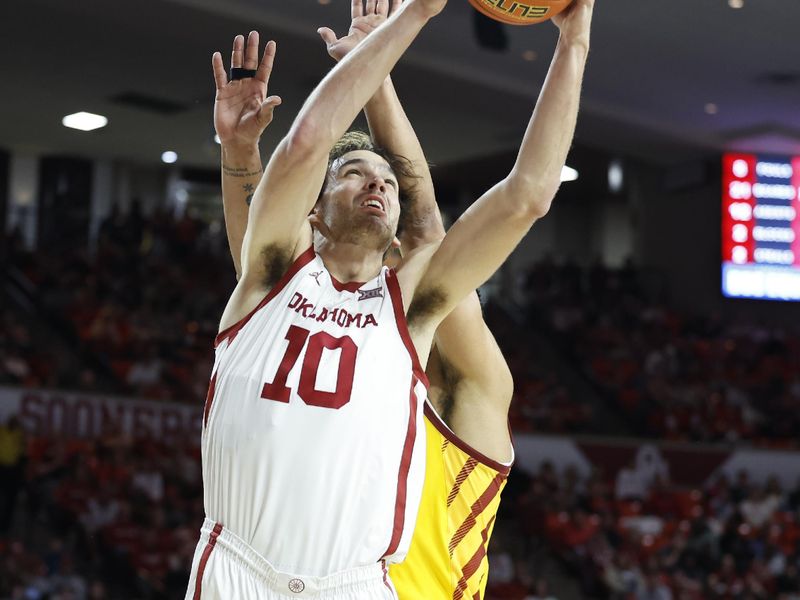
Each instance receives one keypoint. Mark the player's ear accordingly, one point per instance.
(314, 218)
(318, 223)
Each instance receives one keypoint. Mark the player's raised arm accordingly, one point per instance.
(484, 236)
(242, 111)
(391, 129)
(297, 169)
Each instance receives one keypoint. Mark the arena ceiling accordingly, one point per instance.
(654, 69)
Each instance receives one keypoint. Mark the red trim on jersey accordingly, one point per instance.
(402, 324)
(437, 422)
(386, 576)
(209, 398)
(473, 564)
(468, 467)
(477, 508)
(212, 541)
(350, 286)
(402, 476)
(302, 260)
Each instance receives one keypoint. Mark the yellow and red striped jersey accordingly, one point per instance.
(447, 557)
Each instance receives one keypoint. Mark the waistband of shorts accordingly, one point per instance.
(301, 586)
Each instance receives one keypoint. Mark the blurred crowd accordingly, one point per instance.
(672, 375)
(144, 305)
(732, 540)
(101, 519)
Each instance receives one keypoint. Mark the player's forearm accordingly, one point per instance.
(241, 172)
(537, 172)
(344, 92)
(391, 129)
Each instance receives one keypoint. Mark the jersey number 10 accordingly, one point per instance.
(297, 337)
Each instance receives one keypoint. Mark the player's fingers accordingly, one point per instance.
(396, 4)
(251, 51)
(267, 110)
(238, 52)
(272, 102)
(370, 9)
(327, 35)
(382, 7)
(220, 77)
(265, 68)
(356, 8)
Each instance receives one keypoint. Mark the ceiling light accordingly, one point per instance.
(84, 121)
(736, 3)
(616, 176)
(568, 173)
(530, 55)
(711, 108)
(169, 157)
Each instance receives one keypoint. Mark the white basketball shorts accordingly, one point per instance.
(226, 568)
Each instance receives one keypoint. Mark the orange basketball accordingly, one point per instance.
(520, 12)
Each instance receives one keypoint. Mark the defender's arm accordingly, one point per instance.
(481, 381)
(390, 128)
(242, 111)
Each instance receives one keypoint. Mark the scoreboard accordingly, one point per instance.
(761, 226)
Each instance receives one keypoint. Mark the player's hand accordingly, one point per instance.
(242, 109)
(575, 21)
(365, 19)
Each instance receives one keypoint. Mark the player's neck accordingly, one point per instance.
(349, 262)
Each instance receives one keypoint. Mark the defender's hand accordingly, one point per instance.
(242, 110)
(574, 23)
(365, 20)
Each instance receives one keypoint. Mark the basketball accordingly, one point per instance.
(520, 12)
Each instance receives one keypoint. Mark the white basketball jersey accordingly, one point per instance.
(313, 439)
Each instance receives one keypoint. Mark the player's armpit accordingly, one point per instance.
(278, 216)
(475, 247)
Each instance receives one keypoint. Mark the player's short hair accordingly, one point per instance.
(358, 140)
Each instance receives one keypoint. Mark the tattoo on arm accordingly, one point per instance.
(249, 187)
(240, 172)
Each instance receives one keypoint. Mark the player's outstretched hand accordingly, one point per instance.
(366, 18)
(242, 109)
(575, 21)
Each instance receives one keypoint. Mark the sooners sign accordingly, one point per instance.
(51, 412)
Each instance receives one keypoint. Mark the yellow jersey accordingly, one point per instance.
(447, 557)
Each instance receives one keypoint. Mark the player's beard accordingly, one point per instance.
(360, 229)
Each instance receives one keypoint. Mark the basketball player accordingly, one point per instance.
(309, 516)
(470, 384)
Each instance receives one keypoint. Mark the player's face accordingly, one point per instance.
(361, 199)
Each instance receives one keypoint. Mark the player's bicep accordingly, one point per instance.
(466, 343)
